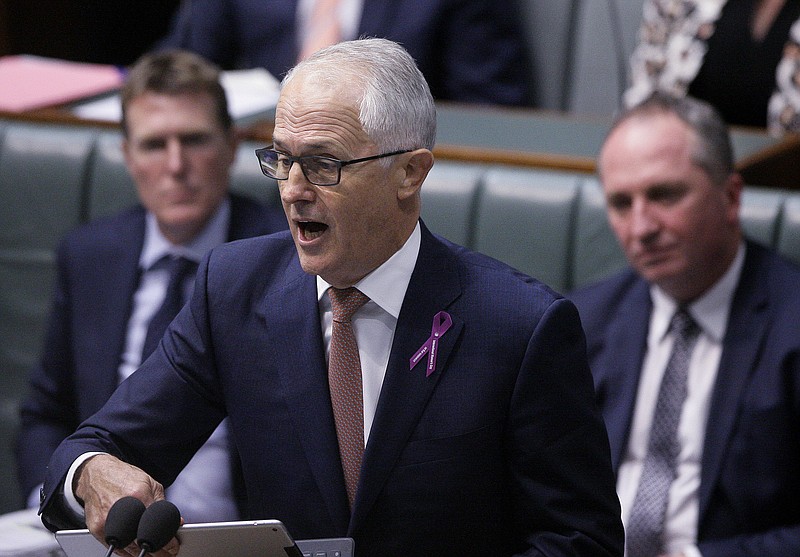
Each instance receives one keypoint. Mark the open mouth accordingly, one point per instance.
(310, 230)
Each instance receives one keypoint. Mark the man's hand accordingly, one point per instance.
(101, 481)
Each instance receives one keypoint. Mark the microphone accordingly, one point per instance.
(158, 525)
(121, 523)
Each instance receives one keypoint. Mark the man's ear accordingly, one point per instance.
(417, 165)
(733, 192)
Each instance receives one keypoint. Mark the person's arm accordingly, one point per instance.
(152, 421)
(559, 454)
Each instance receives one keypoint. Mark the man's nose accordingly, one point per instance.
(175, 155)
(643, 220)
(296, 187)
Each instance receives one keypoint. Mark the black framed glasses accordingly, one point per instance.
(318, 169)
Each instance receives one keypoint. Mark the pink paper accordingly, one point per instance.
(29, 82)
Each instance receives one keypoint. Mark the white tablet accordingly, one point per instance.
(248, 538)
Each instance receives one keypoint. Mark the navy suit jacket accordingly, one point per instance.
(97, 276)
(750, 476)
(468, 50)
(499, 451)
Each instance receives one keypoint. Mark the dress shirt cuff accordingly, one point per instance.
(692, 551)
(35, 497)
(69, 496)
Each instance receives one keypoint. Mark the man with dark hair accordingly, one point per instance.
(113, 274)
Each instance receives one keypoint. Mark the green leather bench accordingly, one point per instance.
(53, 177)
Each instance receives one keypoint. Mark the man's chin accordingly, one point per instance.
(181, 224)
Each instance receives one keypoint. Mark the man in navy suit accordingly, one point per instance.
(673, 201)
(469, 51)
(475, 411)
(179, 145)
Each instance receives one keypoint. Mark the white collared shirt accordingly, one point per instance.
(152, 286)
(374, 324)
(711, 313)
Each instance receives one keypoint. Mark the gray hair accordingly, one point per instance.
(714, 153)
(396, 108)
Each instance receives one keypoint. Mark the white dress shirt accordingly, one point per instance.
(375, 322)
(711, 314)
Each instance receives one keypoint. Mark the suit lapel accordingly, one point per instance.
(300, 362)
(116, 288)
(625, 353)
(747, 327)
(434, 285)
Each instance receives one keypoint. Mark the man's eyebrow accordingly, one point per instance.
(320, 146)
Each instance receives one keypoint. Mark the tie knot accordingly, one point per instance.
(683, 324)
(345, 302)
(182, 264)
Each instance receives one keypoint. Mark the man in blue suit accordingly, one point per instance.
(469, 51)
(179, 145)
(673, 201)
(473, 416)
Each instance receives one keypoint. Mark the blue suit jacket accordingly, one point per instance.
(750, 480)
(499, 451)
(468, 50)
(97, 276)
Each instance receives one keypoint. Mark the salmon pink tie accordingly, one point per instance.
(344, 381)
(324, 28)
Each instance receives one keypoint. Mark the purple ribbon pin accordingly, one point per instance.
(441, 323)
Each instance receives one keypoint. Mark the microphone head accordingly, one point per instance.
(158, 525)
(122, 521)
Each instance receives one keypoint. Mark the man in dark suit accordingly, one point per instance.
(731, 486)
(469, 51)
(471, 428)
(178, 145)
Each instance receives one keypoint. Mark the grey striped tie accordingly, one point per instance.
(644, 534)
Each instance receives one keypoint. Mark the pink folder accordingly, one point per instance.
(29, 82)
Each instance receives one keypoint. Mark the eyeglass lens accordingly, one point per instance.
(318, 170)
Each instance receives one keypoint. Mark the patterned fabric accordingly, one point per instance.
(344, 379)
(180, 269)
(646, 525)
(672, 44)
(784, 106)
(324, 28)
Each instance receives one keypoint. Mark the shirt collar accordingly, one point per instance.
(387, 285)
(156, 246)
(710, 311)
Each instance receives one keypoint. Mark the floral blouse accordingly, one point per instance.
(672, 44)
